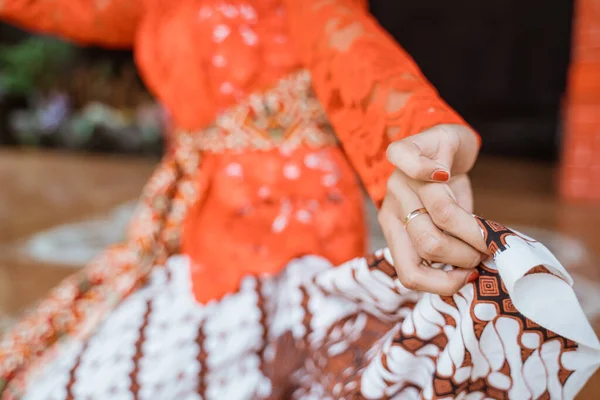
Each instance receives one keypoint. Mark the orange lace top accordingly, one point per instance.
(201, 56)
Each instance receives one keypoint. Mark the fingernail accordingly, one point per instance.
(440, 176)
(472, 277)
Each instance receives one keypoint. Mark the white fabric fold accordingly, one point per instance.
(547, 298)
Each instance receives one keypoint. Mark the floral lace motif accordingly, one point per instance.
(372, 91)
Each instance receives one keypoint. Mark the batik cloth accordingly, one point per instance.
(317, 331)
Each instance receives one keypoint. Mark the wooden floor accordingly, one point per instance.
(43, 190)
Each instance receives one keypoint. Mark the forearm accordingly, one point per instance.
(372, 90)
(112, 23)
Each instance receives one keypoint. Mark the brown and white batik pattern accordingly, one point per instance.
(323, 332)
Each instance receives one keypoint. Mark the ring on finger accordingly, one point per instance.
(414, 214)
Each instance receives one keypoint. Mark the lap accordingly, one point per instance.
(316, 330)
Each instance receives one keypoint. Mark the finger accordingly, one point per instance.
(412, 160)
(429, 241)
(455, 146)
(411, 273)
(436, 246)
(463, 193)
(435, 154)
(447, 215)
(439, 143)
(403, 252)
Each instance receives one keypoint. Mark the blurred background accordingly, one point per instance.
(80, 134)
(54, 94)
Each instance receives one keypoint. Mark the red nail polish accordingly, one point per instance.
(472, 277)
(440, 176)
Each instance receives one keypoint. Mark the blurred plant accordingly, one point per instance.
(104, 83)
(32, 63)
(44, 119)
(75, 98)
(51, 122)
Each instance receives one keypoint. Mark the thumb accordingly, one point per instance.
(427, 156)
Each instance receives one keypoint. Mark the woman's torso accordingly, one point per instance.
(262, 208)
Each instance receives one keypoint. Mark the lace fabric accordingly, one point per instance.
(372, 91)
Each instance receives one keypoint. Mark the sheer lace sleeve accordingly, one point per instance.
(372, 91)
(111, 23)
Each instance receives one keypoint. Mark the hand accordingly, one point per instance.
(431, 173)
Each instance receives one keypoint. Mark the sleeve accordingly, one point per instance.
(110, 23)
(371, 89)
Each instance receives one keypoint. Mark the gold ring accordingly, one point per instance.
(414, 214)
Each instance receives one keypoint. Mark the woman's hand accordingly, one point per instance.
(431, 174)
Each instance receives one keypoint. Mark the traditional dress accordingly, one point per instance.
(243, 275)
